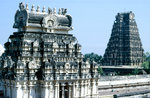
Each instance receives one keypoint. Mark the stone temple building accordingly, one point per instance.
(124, 46)
(42, 60)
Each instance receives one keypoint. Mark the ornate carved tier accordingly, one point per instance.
(37, 21)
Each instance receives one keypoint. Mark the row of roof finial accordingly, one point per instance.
(61, 11)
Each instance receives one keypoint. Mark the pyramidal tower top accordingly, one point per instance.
(124, 46)
(42, 21)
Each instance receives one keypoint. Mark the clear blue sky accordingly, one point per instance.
(92, 19)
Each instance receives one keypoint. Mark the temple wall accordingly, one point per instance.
(60, 89)
(115, 80)
(135, 86)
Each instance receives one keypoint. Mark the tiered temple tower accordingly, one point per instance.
(124, 47)
(42, 60)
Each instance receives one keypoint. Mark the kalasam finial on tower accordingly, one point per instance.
(59, 12)
(54, 10)
(65, 11)
(38, 9)
(32, 9)
(43, 9)
(27, 8)
(49, 11)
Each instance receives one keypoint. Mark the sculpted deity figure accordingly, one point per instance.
(59, 12)
(20, 63)
(8, 62)
(21, 6)
(38, 9)
(53, 61)
(54, 10)
(64, 11)
(49, 11)
(32, 64)
(47, 63)
(27, 8)
(32, 9)
(36, 43)
(43, 9)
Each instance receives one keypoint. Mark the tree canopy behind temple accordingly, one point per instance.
(93, 57)
(146, 64)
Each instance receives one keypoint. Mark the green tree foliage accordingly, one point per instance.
(100, 70)
(146, 64)
(135, 71)
(93, 57)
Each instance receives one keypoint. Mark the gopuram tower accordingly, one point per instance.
(42, 60)
(124, 46)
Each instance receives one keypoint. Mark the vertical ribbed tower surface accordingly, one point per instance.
(124, 46)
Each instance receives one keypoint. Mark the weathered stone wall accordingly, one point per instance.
(135, 85)
(114, 80)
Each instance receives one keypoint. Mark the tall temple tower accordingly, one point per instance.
(42, 60)
(124, 47)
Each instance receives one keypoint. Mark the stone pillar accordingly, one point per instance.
(86, 88)
(77, 89)
(51, 92)
(31, 88)
(25, 91)
(11, 86)
(63, 90)
(8, 89)
(70, 90)
(46, 91)
(82, 88)
(89, 88)
(13, 90)
(51, 95)
(96, 84)
(74, 90)
(4, 87)
(19, 93)
(93, 88)
(30, 92)
(57, 90)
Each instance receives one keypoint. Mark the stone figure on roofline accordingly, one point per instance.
(21, 6)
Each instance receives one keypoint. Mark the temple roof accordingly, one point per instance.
(48, 20)
(125, 15)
